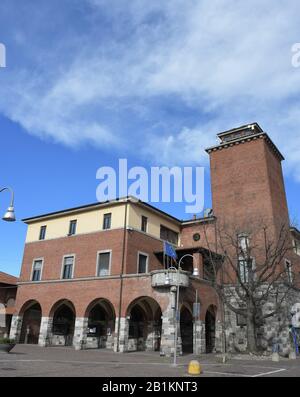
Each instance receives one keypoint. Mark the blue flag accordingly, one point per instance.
(169, 250)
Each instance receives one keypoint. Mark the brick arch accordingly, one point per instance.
(210, 305)
(150, 306)
(186, 306)
(213, 309)
(28, 304)
(31, 317)
(59, 303)
(103, 302)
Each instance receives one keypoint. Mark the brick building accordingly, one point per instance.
(95, 276)
(8, 292)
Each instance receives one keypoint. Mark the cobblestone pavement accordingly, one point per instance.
(28, 361)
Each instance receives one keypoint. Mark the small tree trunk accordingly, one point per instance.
(251, 335)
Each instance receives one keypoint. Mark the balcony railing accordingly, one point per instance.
(158, 278)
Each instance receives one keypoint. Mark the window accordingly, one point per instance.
(144, 224)
(297, 246)
(142, 263)
(68, 267)
(289, 271)
(72, 228)
(244, 266)
(168, 235)
(106, 221)
(37, 270)
(104, 259)
(43, 232)
(244, 243)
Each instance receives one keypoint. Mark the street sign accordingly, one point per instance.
(196, 310)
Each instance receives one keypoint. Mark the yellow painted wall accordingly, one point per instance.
(87, 222)
(154, 221)
(92, 220)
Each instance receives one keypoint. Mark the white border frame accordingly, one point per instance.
(137, 260)
(62, 266)
(32, 265)
(109, 251)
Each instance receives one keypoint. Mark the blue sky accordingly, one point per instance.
(90, 81)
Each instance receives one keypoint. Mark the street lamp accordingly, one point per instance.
(9, 216)
(167, 282)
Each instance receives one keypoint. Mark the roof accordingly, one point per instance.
(295, 230)
(93, 206)
(252, 126)
(253, 132)
(6, 278)
(208, 219)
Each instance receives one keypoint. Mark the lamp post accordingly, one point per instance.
(167, 281)
(9, 216)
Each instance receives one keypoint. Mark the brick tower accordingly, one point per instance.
(246, 177)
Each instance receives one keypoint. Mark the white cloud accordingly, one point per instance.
(228, 61)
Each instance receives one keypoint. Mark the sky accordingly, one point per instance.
(88, 82)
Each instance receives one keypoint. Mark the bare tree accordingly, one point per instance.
(251, 272)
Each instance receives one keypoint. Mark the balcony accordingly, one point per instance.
(158, 278)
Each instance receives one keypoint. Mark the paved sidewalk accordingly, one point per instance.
(29, 360)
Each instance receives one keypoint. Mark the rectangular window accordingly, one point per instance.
(37, 270)
(104, 264)
(68, 267)
(244, 266)
(144, 224)
(289, 271)
(169, 235)
(142, 263)
(43, 232)
(72, 228)
(106, 221)
(297, 246)
(244, 244)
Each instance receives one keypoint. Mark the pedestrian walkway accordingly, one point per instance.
(27, 361)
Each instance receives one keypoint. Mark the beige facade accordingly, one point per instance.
(135, 213)
(91, 221)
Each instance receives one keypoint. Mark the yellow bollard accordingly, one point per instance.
(194, 368)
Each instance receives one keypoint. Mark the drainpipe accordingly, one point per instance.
(121, 276)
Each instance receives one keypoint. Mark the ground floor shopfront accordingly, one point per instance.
(95, 314)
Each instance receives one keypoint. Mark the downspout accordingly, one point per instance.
(121, 276)
(221, 298)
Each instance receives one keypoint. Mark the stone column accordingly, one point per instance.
(45, 331)
(110, 336)
(150, 340)
(219, 337)
(123, 337)
(199, 345)
(80, 333)
(168, 328)
(167, 333)
(16, 326)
